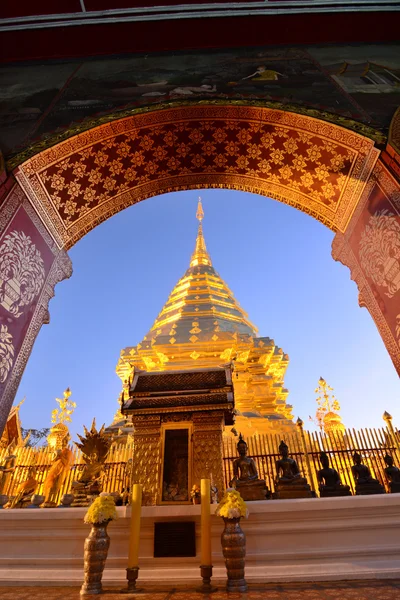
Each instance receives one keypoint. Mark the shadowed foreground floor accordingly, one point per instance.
(343, 590)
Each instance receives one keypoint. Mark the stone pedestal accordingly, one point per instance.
(331, 539)
(394, 487)
(286, 491)
(255, 490)
(367, 489)
(80, 497)
(332, 492)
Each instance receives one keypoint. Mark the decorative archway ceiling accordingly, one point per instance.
(315, 166)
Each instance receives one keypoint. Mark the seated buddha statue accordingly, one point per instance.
(289, 482)
(329, 480)
(365, 484)
(245, 476)
(393, 474)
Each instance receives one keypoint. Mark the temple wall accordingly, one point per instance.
(287, 540)
(370, 247)
(30, 266)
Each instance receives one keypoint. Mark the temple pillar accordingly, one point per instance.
(370, 247)
(208, 459)
(31, 264)
(147, 456)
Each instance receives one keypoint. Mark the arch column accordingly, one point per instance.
(30, 266)
(370, 248)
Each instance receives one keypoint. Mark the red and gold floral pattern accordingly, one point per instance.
(370, 248)
(315, 166)
(30, 266)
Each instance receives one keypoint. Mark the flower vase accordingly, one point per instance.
(196, 500)
(233, 542)
(96, 548)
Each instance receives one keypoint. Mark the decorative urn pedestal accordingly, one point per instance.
(99, 514)
(95, 554)
(233, 541)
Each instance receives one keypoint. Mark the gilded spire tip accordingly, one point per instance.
(200, 255)
(200, 211)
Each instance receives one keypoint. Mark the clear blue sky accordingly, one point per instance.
(276, 260)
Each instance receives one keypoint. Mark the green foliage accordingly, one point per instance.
(35, 436)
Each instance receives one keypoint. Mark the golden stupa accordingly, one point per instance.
(202, 326)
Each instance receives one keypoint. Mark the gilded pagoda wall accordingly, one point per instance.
(208, 457)
(147, 455)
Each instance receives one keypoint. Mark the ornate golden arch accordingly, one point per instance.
(323, 169)
(315, 166)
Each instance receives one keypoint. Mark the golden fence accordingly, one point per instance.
(372, 444)
(115, 468)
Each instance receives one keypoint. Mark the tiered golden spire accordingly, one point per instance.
(200, 255)
(202, 325)
(201, 297)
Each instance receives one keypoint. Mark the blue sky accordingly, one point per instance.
(275, 259)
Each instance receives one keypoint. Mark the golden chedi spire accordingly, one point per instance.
(202, 325)
(201, 308)
(200, 255)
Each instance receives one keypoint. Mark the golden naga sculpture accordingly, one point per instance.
(94, 447)
(60, 416)
(327, 415)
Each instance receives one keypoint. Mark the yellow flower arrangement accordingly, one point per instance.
(232, 505)
(102, 510)
(195, 492)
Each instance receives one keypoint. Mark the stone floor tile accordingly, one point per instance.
(378, 590)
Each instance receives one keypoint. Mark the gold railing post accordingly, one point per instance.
(388, 418)
(300, 424)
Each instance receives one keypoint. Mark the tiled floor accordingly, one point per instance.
(352, 590)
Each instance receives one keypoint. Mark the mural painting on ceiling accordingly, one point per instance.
(41, 98)
(371, 76)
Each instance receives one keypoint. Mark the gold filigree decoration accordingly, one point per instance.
(324, 178)
(21, 272)
(6, 352)
(380, 251)
(66, 408)
(227, 354)
(52, 139)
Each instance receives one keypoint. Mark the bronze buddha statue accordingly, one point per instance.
(289, 482)
(393, 475)
(245, 476)
(329, 480)
(365, 484)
